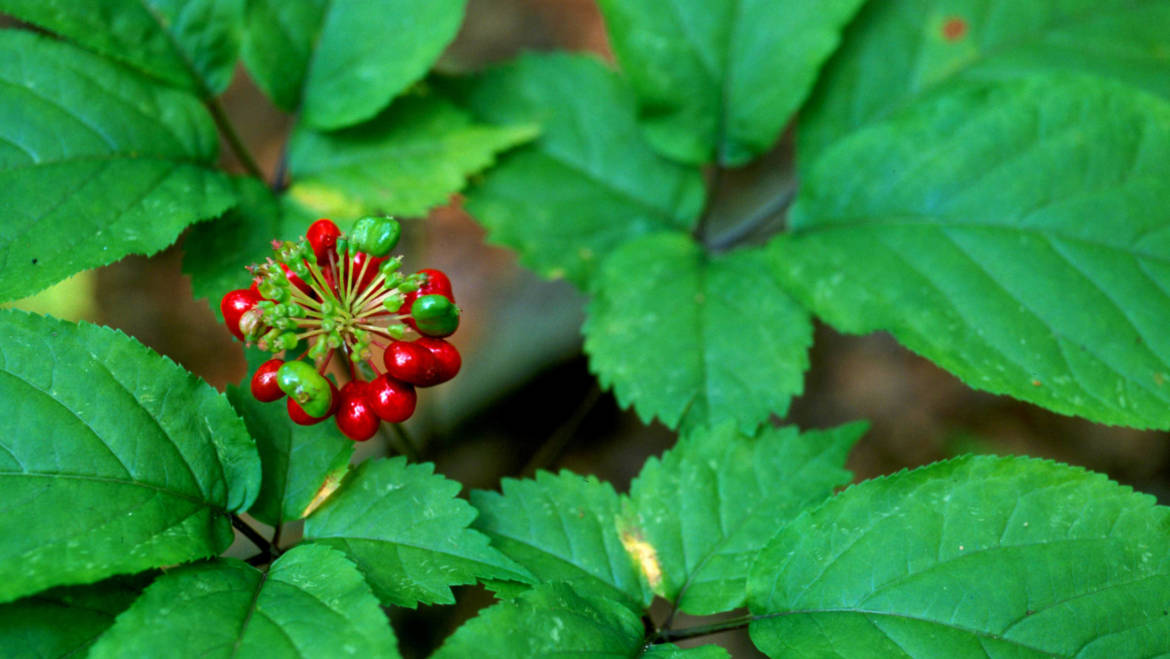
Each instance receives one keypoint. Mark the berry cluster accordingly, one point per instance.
(330, 293)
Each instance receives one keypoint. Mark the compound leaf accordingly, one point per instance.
(975, 557)
(192, 44)
(550, 620)
(112, 458)
(1016, 234)
(699, 516)
(341, 63)
(696, 340)
(589, 183)
(95, 163)
(33, 626)
(298, 461)
(311, 603)
(896, 53)
(406, 530)
(718, 80)
(410, 158)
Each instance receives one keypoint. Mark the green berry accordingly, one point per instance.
(306, 386)
(435, 315)
(376, 236)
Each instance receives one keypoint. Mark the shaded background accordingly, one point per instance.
(525, 398)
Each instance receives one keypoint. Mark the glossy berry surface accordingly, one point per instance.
(392, 400)
(411, 363)
(434, 315)
(447, 358)
(264, 386)
(234, 305)
(355, 416)
(322, 236)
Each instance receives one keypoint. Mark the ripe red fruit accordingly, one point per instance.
(355, 416)
(296, 280)
(447, 358)
(410, 362)
(356, 262)
(300, 417)
(434, 283)
(264, 386)
(391, 399)
(234, 305)
(322, 236)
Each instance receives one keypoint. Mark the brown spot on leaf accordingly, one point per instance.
(1036, 383)
(954, 28)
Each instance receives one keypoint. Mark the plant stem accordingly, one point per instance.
(411, 452)
(233, 139)
(552, 447)
(671, 635)
(252, 534)
(278, 183)
(700, 230)
(769, 210)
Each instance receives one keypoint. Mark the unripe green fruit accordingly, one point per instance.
(435, 315)
(306, 386)
(375, 236)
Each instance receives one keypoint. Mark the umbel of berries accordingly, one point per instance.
(331, 295)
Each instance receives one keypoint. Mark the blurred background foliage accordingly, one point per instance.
(525, 399)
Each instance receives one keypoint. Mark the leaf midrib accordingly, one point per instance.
(943, 221)
(119, 481)
(979, 633)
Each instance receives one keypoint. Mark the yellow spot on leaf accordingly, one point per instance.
(332, 482)
(644, 555)
(325, 201)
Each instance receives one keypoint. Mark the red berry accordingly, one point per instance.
(435, 282)
(371, 270)
(322, 236)
(411, 363)
(300, 417)
(264, 386)
(355, 416)
(391, 399)
(234, 305)
(296, 280)
(446, 356)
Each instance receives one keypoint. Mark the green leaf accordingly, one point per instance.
(341, 63)
(216, 253)
(192, 44)
(563, 529)
(298, 461)
(896, 53)
(95, 163)
(412, 157)
(699, 517)
(696, 340)
(718, 80)
(551, 620)
(406, 530)
(278, 45)
(311, 603)
(589, 183)
(32, 627)
(1027, 250)
(979, 556)
(112, 458)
